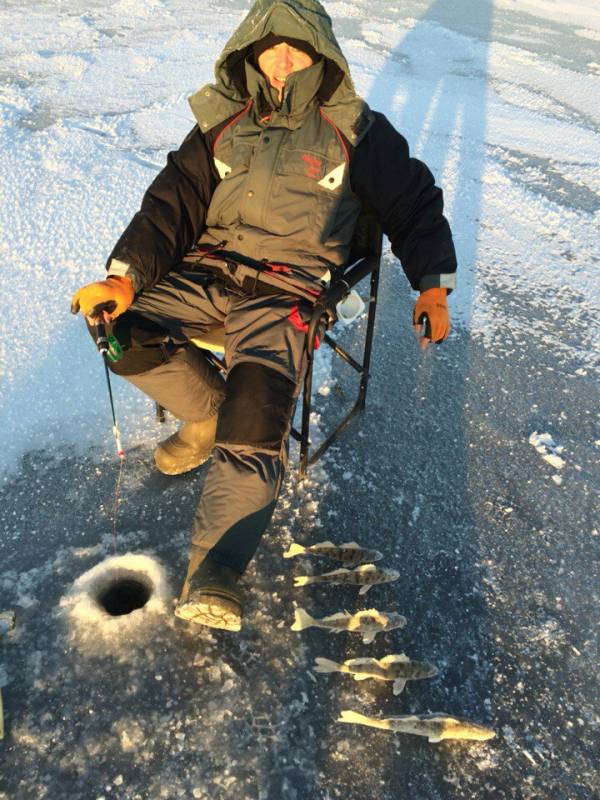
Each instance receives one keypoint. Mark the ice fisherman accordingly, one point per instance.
(282, 157)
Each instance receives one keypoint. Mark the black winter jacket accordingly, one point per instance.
(398, 188)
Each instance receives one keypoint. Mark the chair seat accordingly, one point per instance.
(211, 340)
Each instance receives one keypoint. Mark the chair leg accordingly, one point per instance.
(305, 429)
(364, 380)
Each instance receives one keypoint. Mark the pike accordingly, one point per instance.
(369, 622)
(349, 553)
(396, 668)
(364, 576)
(436, 727)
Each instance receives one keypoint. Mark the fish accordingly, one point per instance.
(436, 727)
(364, 576)
(369, 622)
(349, 553)
(396, 668)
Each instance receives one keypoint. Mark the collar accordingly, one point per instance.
(299, 94)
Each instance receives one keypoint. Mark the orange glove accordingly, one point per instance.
(431, 308)
(104, 300)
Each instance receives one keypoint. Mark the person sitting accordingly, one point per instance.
(283, 157)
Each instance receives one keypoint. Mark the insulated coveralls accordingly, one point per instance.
(280, 183)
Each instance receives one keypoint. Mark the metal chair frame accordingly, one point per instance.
(365, 259)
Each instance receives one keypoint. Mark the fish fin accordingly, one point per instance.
(398, 685)
(325, 665)
(361, 662)
(368, 638)
(400, 658)
(295, 550)
(302, 580)
(324, 544)
(359, 677)
(354, 545)
(434, 739)
(376, 555)
(340, 571)
(366, 568)
(364, 589)
(302, 620)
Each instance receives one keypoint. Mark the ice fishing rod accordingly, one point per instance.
(110, 350)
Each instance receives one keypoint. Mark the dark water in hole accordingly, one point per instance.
(124, 596)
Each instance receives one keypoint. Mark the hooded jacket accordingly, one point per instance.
(287, 181)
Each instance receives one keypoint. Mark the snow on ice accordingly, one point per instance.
(500, 99)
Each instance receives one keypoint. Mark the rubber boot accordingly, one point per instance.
(188, 448)
(211, 596)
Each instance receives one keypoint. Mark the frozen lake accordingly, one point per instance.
(496, 544)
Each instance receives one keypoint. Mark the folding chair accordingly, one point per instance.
(365, 259)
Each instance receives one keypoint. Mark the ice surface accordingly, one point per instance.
(499, 582)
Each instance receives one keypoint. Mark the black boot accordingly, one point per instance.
(211, 596)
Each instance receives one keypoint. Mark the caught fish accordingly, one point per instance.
(435, 727)
(349, 553)
(396, 668)
(369, 623)
(365, 576)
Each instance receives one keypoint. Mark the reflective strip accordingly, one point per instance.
(222, 169)
(333, 179)
(118, 268)
(445, 280)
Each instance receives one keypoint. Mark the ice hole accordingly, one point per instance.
(124, 596)
(115, 606)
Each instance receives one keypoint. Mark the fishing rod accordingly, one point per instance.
(110, 350)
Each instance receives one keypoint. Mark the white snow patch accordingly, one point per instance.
(587, 33)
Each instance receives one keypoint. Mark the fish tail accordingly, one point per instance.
(360, 719)
(302, 580)
(295, 550)
(325, 665)
(302, 620)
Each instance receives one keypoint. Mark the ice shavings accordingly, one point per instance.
(548, 449)
(93, 629)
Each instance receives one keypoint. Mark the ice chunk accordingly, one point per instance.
(554, 461)
(548, 449)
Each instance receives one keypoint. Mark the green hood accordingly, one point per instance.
(298, 19)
